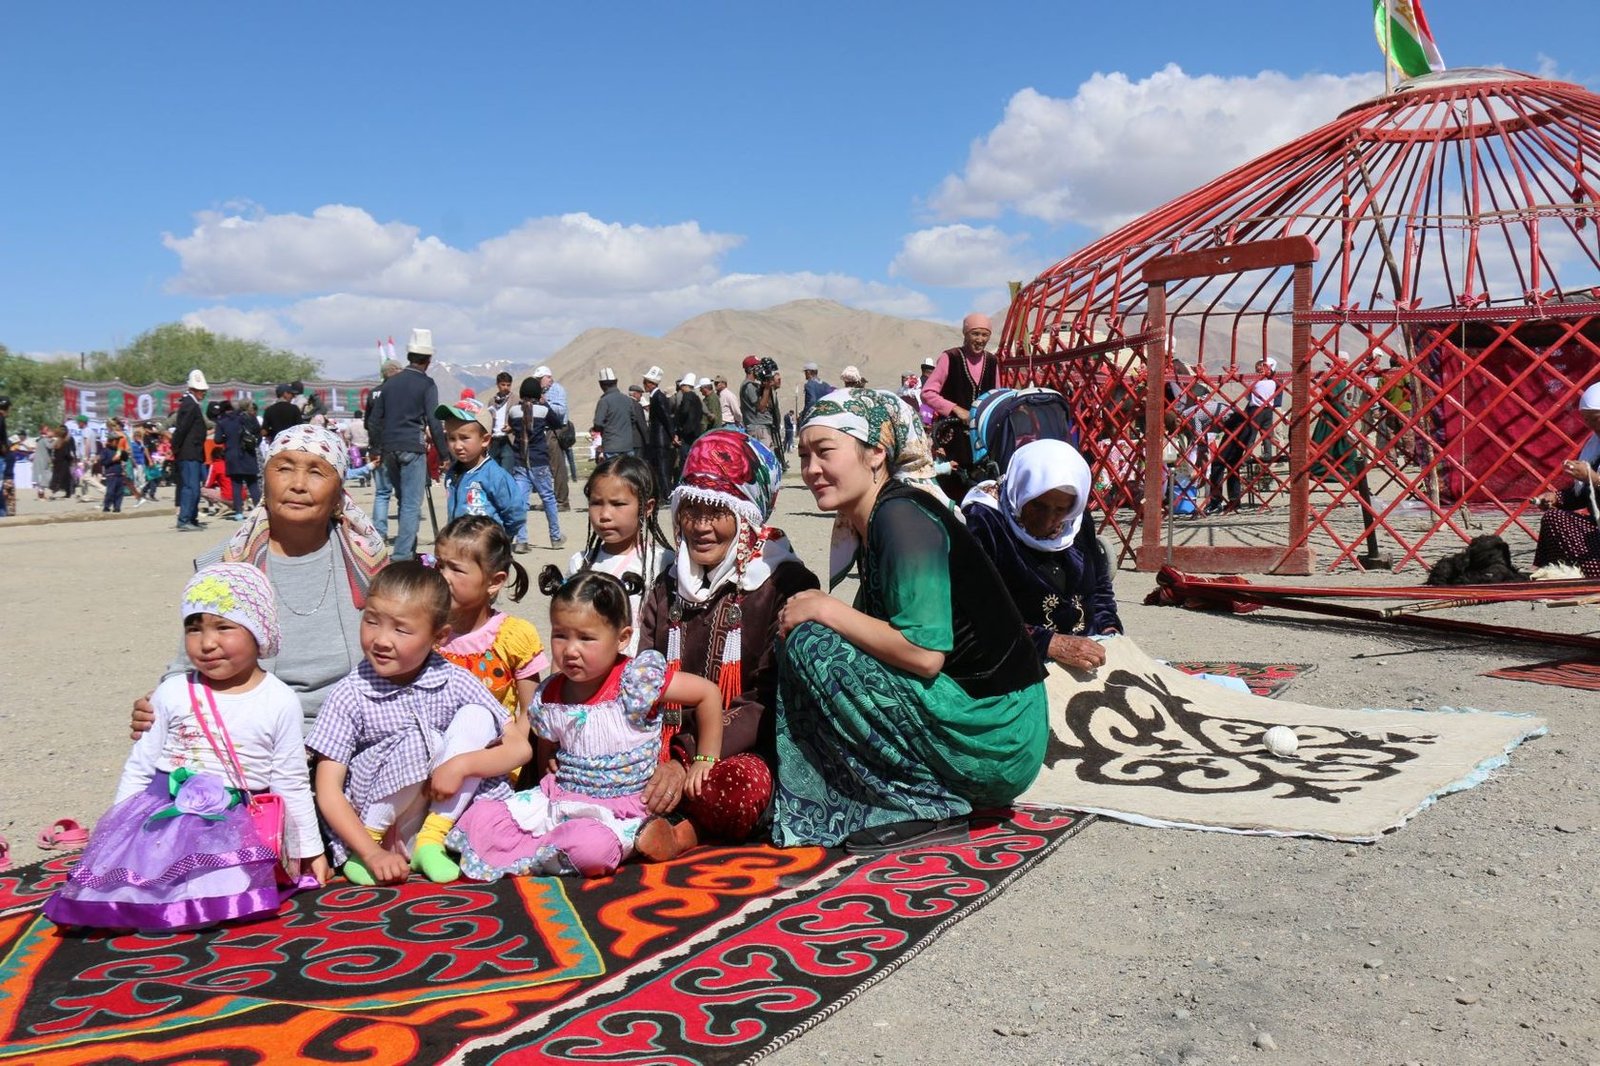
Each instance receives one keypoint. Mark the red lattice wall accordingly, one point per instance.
(1452, 319)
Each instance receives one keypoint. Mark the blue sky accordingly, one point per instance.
(319, 175)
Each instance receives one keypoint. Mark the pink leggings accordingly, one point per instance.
(589, 846)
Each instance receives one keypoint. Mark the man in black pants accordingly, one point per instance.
(659, 434)
(405, 409)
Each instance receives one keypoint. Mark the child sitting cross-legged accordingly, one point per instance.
(406, 741)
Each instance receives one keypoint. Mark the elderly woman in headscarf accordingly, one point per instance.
(716, 614)
(901, 714)
(319, 552)
(1031, 524)
(1569, 531)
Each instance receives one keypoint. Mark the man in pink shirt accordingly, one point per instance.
(959, 377)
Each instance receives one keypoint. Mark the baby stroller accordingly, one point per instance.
(1003, 420)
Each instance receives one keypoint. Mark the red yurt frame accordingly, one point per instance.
(1431, 340)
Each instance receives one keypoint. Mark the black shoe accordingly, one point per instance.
(188, 527)
(882, 839)
(1214, 507)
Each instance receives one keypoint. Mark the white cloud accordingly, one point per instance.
(1119, 147)
(517, 295)
(233, 253)
(961, 256)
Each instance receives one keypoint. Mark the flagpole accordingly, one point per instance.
(1388, 46)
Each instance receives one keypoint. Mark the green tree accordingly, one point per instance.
(167, 353)
(34, 387)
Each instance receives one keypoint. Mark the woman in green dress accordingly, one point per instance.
(901, 714)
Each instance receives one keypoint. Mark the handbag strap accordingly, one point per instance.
(230, 757)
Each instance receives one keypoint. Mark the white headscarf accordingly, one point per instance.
(1589, 401)
(1037, 468)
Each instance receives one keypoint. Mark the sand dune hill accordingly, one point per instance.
(822, 331)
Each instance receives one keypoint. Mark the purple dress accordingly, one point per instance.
(154, 874)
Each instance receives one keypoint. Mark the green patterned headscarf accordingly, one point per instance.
(876, 418)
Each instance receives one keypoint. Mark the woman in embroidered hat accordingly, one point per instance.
(716, 613)
(901, 714)
(319, 552)
(180, 848)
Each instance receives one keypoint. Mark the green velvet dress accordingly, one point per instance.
(863, 744)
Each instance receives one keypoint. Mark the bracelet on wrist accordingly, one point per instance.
(705, 758)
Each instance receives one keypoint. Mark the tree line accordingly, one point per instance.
(165, 353)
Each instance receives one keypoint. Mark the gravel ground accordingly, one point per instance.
(1458, 939)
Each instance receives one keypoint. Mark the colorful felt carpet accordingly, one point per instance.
(1568, 673)
(718, 957)
(1144, 743)
(1269, 680)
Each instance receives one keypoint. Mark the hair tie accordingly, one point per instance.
(428, 559)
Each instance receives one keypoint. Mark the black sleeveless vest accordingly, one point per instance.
(958, 386)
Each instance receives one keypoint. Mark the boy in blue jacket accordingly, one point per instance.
(475, 484)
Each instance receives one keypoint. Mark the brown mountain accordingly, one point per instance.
(819, 331)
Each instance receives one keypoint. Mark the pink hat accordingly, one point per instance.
(975, 320)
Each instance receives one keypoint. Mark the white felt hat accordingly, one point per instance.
(421, 342)
(655, 373)
(607, 374)
(688, 379)
(1590, 400)
(703, 383)
(851, 374)
(197, 380)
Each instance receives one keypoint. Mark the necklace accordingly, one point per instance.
(326, 585)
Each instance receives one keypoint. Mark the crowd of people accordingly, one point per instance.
(340, 710)
(698, 684)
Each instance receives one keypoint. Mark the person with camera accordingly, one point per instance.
(758, 399)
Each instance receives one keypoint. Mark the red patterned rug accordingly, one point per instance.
(718, 957)
(1568, 673)
(1264, 679)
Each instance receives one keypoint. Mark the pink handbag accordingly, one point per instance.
(267, 810)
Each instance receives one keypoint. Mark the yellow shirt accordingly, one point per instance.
(501, 652)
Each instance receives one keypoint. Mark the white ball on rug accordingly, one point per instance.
(1281, 741)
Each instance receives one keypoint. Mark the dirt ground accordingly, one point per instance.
(1461, 938)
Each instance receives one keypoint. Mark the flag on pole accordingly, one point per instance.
(391, 348)
(1405, 38)
(380, 356)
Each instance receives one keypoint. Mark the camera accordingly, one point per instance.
(766, 370)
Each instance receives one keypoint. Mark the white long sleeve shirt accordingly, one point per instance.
(264, 724)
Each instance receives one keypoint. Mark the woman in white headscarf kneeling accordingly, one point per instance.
(900, 715)
(1032, 525)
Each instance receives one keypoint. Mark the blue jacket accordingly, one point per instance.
(487, 489)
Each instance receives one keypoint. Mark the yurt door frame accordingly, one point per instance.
(1299, 253)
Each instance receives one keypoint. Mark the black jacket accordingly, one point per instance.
(277, 418)
(238, 460)
(403, 407)
(688, 416)
(189, 431)
(661, 427)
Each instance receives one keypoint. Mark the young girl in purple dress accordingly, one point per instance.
(179, 849)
